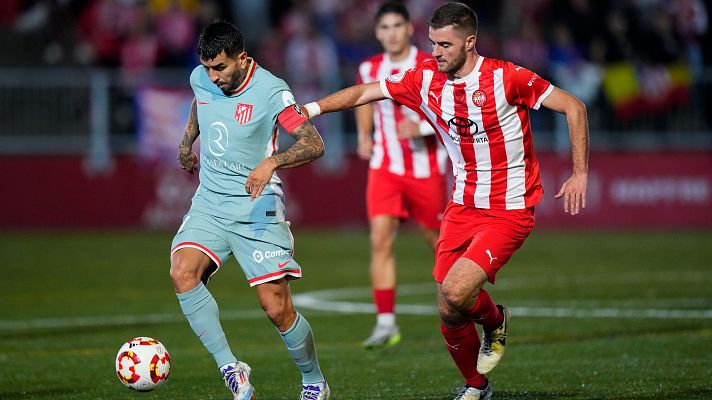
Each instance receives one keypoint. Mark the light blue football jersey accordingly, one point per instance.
(237, 132)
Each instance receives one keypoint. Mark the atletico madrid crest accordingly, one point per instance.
(479, 97)
(243, 113)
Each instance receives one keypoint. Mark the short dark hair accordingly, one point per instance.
(462, 17)
(392, 7)
(217, 37)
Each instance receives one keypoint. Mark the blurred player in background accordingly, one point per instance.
(406, 165)
(238, 209)
(480, 109)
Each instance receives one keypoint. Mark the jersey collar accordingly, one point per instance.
(474, 74)
(248, 77)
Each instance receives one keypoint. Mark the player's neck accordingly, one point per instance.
(401, 55)
(467, 68)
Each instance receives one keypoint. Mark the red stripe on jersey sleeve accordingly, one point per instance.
(291, 117)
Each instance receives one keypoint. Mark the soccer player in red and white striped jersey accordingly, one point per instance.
(480, 109)
(406, 168)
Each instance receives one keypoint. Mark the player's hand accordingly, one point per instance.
(365, 148)
(260, 177)
(408, 129)
(187, 158)
(574, 193)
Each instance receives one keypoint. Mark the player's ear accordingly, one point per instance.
(470, 42)
(242, 59)
(410, 29)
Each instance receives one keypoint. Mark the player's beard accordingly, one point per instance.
(457, 63)
(236, 81)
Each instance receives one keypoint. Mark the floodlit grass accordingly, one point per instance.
(63, 293)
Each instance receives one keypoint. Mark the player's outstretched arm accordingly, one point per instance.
(346, 99)
(186, 156)
(308, 147)
(574, 189)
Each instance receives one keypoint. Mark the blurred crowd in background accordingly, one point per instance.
(634, 62)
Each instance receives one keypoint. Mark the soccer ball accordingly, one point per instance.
(143, 364)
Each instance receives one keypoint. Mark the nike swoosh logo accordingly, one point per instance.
(202, 102)
(281, 265)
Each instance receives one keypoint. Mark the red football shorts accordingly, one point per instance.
(400, 196)
(487, 237)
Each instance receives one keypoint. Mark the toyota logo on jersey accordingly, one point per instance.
(243, 113)
(463, 126)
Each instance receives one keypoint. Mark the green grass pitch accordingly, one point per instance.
(597, 316)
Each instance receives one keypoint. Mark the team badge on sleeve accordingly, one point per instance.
(243, 113)
(288, 98)
(479, 98)
(395, 78)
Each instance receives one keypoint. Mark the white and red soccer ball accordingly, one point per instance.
(143, 364)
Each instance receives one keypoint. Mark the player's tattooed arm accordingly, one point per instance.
(186, 156)
(309, 147)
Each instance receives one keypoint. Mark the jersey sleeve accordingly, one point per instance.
(404, 87)
(524, 87)
(287, 112)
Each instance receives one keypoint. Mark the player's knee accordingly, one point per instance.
(448, 315)
(381, 242)
(182, 272)
(279, 316)
(455, 298)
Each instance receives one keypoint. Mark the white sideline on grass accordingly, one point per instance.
(336, 301)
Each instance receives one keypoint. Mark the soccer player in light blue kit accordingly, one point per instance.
(238, 208)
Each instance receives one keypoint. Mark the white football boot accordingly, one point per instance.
(315, 391)
(472, 393)
(383, 336)
(237, 379)
(492, 345)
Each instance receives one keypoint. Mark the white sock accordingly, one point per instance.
(386, 319)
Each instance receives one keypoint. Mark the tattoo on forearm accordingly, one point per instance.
(191, 127)
(309, 147)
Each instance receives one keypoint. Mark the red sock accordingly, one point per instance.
(385, 300)
(486, 313)
(463, 344)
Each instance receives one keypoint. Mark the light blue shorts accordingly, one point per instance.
(263, 250)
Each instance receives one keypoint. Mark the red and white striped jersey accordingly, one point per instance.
(419, 157)
(483, 121)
